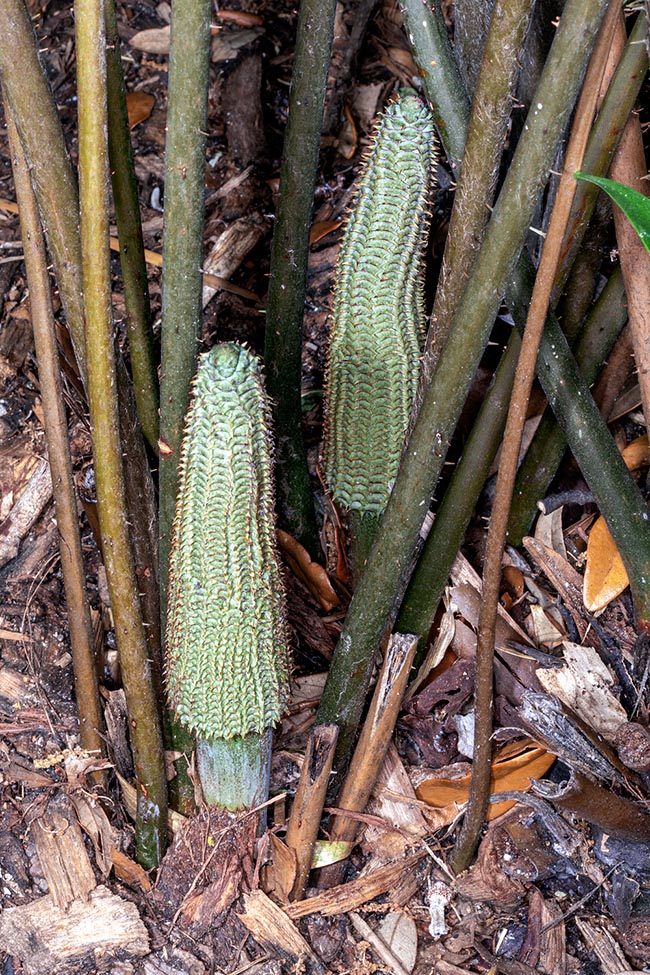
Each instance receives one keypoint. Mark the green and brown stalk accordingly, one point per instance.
(379, 317)
(226, 640)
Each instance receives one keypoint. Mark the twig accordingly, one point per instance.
(481, 764)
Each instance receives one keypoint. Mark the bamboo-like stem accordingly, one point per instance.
(100, 359)
(55, 187)
(543, 457)
(604, 323)
(474, 195)
(629, 167)
(390, 560)
(425, 590)
(363, 528)
(479, 793)
(289, 251)
(129, 229)
(441, 80)
(372, 746)
(189, 61)
(606, 133)
(56, 431)
(307, 808)
(37, 121)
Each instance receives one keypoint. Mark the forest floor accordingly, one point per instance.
(561, 883)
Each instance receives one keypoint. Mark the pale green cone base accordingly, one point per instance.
(235, 773)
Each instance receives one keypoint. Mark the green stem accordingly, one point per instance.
(55, 187)
(390, 560)
(189, 61)
(616, 493)
(549, 444)
(235, 773)
(441, 79)
(129, 229)
(41, 136)
(56, 431)
(289, 252)
(486, 136)
(363, 528)
(120, 570)
(432, 571)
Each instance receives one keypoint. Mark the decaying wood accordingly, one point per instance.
(310, 799)
(229, 250)
(271, 927)
(373, 744)
(348, 897)
(25, 512)
(600, 941)
(51, 941)
(62, 854)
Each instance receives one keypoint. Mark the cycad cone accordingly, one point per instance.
(226, 638)
(379, 317)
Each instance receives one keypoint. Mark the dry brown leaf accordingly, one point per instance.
(321, 229)
(130, 872)
(279, 874)
(240, 17)
(310, 573)
(153, 41)
(348, 136)
(514, 766)
(605, 575)
(139, 106)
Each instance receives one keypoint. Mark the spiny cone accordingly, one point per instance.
(226, 639)
(379, 317)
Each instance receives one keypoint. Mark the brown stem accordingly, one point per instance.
(629, 167)
(56, 431)
(310, 799)
(373, 743)
(481, 766)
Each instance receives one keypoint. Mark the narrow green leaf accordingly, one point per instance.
(634, 205)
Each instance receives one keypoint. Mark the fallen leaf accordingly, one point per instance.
(139, 106)
(321, 229)
(240, 17)
(310, 573)
(348, 137)
(153, 41)
(512, 769)
(605, 575)
(129, 871)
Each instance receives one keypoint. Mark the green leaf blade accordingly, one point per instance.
(634, 205)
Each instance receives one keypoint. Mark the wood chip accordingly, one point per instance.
(348, 897)
(51, 941)
(62, 854)
(272, 929)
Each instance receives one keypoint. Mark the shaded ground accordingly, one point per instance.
(561, 882)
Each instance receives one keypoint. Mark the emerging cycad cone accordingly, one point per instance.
(226, 640)
(379, 318)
